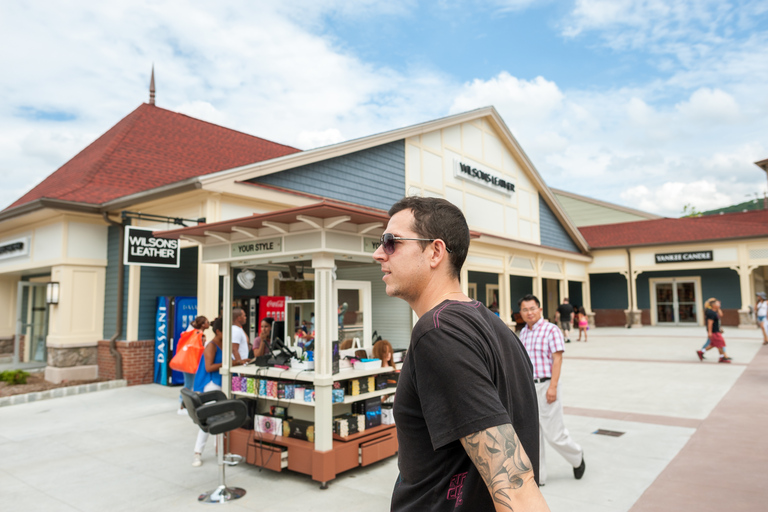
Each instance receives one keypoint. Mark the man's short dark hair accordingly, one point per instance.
(437, 218)
(528, 297)
(236, 312)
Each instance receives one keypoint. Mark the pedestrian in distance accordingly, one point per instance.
(581, 317)
(712, 315)
(465, 407)
(544, 344)
(564, 318)
(761, 310)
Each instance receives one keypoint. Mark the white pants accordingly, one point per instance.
(552, 428)
(202, 437)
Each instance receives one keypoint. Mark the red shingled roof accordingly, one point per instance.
(665, 231)
(149, 148)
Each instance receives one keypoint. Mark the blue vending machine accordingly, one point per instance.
(173, 316)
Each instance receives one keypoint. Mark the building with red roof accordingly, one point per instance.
(660, 271)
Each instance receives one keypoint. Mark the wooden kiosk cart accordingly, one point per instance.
(322, 237)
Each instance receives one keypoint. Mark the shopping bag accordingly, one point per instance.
(188, 352)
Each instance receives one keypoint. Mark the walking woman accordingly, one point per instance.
(714, 334)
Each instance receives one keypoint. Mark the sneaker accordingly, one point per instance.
(198, 460)
(567, 341)
(724, 360)
(579, 471)
(181, 411)
(700, 353)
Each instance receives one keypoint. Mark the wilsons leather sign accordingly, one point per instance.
(682, 257)
(482, 177)
(143, 249)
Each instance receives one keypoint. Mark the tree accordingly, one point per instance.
(690, 211)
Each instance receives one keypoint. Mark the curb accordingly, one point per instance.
(61, 392)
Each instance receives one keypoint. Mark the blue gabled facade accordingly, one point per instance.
(553, 234)
(372, 177)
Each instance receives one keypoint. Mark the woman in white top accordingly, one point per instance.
(762, 315)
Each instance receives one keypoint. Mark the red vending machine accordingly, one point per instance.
(273, 307)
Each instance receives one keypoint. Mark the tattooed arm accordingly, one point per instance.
(506, 469)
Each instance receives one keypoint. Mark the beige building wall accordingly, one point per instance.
(585, 211)
(8, 290)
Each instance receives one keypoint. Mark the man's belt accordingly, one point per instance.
(544, 379)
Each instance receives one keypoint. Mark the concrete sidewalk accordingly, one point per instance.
(692, 440)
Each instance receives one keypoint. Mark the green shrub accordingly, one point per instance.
(14, 377)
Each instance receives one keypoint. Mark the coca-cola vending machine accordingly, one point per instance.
(272, 307)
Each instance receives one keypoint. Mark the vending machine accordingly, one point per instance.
(273, 307)
(173, 316)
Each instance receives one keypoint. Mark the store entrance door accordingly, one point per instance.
(31, 324)
(676, 302)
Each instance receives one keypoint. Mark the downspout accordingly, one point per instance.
(120, 289)
(631, 293)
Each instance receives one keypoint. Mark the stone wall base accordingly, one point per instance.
(138, 361)
(59, 375)
(67, 357)
(6, 345)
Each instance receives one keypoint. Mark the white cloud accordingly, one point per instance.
(710, 106)
(319, 138)
(672, 195)
(536, 99)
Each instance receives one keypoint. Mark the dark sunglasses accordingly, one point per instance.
(388, 242)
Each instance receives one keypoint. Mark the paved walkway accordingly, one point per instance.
(692, 440)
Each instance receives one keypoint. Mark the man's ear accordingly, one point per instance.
(439, 253)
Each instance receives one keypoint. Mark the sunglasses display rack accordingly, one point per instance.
(294, 390)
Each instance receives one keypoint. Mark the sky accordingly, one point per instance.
(649, 104)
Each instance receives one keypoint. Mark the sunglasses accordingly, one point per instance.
(388, 242)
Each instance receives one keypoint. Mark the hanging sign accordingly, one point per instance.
(678, 257)
(13, 248)
(144, 249)
(484, 177)
(257, 248)
(371, 244)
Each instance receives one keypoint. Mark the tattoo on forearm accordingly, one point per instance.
(500, 459)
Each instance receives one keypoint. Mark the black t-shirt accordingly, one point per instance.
(565, 310)
(465, 371)
(710, 314)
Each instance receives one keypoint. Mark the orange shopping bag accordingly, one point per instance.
(188, 352)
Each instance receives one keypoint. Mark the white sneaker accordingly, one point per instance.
(197, 461)
(181, 411)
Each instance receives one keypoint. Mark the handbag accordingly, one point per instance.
(188, 352)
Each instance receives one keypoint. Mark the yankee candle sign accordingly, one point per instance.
(143, 249)
(674, 257)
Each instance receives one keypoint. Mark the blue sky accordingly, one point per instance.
(645, 103)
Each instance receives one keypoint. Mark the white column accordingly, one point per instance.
(326, 331)
(134, 294)
(226, 343)
(505, 301)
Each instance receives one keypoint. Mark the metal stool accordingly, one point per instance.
(215, 414)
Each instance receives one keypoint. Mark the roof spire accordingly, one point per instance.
(152, 87)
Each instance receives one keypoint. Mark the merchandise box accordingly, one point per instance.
(299, 429)
(268, 425)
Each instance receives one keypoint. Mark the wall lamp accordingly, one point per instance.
(52, 293)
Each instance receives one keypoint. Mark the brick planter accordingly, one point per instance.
(138, 365)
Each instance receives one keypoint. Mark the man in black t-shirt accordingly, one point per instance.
(564, 317)
(465, 408)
